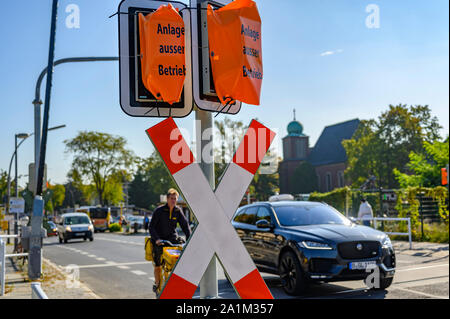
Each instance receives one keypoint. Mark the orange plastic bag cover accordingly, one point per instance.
(234, 33)
(163, 61)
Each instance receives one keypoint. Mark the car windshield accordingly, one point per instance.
(295, 215)
(75, 220)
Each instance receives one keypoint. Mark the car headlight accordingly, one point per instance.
(91, 227)
(315, 245)
(68, 228)
(386, 242)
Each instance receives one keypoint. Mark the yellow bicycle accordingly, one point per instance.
(169, 257)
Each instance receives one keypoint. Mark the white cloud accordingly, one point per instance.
(326, 53)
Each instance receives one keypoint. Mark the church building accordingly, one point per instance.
(328, 156)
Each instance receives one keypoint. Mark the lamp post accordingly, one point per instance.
(23, 137)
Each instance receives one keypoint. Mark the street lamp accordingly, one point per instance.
(23, 137)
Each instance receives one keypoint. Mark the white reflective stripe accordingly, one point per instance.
(195, 258)
(232, 188)
(216, 225)
(229, 194)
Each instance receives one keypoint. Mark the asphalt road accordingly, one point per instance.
(113, 266)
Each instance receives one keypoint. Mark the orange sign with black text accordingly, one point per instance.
(234, 33)
(163, 61)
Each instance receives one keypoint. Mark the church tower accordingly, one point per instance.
(295, 151)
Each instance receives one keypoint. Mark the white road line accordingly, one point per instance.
(92, 256)
(122, 241)
(138, 272)
(418, 268)
(112, 264)
(123, 267)
(421, 293)
(100, 259)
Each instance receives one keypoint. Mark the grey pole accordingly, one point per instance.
(35, 255)
(204, 124)
(16, 230)
(38, 102)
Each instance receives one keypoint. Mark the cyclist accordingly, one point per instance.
(163, 227)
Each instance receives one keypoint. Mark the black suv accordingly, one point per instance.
(309, 241)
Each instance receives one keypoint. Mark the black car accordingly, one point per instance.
(309, 241)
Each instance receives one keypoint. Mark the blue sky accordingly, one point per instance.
(319, 58)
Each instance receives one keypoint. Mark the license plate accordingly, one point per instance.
(79, 234)
(362, 265)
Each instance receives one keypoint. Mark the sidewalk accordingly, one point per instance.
(54, 283)
(421, 249)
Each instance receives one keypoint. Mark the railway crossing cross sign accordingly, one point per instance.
(214, 235)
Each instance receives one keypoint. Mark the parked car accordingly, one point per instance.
(75, 225)
(51, 228)
(136, 222)
(309, 241)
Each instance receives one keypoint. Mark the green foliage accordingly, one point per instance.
(115, 227)
(338, 198)
(151, 180)
(426, 167)
(410, 196)
(100, 158)
(380, 146)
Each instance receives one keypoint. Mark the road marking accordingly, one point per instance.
(112, 263)
(101, 259)
(92, 256)
(123, 267)
(138, 272)
(122, 241)
(418, 268)
(421, 293)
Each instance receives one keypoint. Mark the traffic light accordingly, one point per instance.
(444, 176)
(135, 99)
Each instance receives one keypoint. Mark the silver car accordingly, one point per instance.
(75, 226)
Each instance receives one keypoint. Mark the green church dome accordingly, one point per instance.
(295, 128)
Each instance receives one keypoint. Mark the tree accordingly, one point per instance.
(229, 135)
(426, 167)
(4, 185)
(379, 146)
(151, 180)
(98, 157)
(54, 197)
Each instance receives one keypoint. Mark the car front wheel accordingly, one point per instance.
(291, 274)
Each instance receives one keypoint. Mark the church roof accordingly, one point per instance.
(329, 149)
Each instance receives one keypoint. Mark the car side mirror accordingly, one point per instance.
(263, 223)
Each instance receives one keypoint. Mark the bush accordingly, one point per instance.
(434, 233)
(337, 198)
(115, 228)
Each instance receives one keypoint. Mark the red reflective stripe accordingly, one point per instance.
(253, 147)
(252, 286)
(178, 288)
(167, 139)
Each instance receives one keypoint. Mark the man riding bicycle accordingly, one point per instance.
(163, 227)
